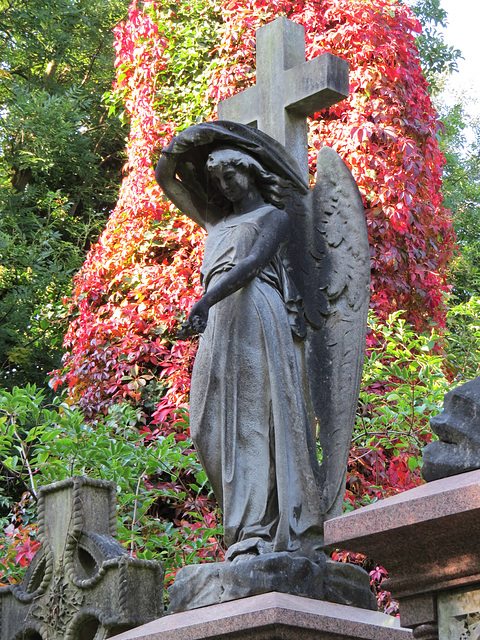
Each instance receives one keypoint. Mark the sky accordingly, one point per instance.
(462, 32)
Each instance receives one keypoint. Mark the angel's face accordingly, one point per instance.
(235, 182)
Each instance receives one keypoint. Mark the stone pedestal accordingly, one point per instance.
(203, 585)
(272, 616)
(428, 540)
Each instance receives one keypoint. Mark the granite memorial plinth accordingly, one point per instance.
(427, 539)
(272, 616)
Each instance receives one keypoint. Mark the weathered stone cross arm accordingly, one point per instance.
(287, 88)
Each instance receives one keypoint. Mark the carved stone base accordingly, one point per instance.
(208, 584)
(459, 614)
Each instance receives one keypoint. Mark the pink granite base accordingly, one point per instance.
(427, 539)
(272, 616)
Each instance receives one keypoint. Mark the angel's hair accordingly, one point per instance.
(270, 186)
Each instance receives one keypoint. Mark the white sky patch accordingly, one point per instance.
(462, 32)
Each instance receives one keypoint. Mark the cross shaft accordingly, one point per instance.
(287, 89)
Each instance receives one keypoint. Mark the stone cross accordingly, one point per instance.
(287, 88)
(81, 584)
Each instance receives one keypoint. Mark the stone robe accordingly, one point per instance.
(251, 420)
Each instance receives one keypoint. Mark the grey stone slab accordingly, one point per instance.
(273, 616)
(459, 615)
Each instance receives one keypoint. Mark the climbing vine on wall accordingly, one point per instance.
(174, 63)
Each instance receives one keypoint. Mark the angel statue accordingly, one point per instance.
(282, 332)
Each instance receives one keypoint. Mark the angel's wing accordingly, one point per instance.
(333, 276)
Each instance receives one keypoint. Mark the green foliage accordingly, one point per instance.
(403, 386)
(437, 58)
(60, 163)
(165, 508)
(461, 188)
(193, 30)
(42, 134)
(461, 183)
(41, 246)
(41, 443)
(460, 144)
(463, 340)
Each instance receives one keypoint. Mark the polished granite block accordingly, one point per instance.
(272, 616)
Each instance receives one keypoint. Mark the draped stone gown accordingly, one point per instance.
(250, 416)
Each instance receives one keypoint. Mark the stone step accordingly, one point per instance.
(272, 616)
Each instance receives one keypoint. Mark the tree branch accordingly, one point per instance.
(89, 70)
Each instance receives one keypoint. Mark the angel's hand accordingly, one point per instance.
(185, 331)
(197, 320)
(189, 137)
(198, 316)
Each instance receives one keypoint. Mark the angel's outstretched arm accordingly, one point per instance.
(185, 200)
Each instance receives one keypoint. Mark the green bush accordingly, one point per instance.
(42, 444)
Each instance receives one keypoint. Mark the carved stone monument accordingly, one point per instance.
(81, 584)
(459, 614)
(458, 429)
(282, 320)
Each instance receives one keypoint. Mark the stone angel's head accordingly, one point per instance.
(235, 171)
